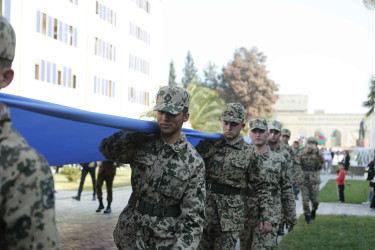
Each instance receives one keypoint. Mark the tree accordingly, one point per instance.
(211, 78)
(205, 109)
(172, 75)
(245, 81)
(370, 103)
(189, 71)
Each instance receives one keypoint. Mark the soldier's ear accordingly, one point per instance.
(6, 77)
(186, 117)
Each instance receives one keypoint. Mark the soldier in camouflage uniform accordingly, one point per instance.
(281, 191)
(275, 144)
(27, 207)
(167, 207)
(231, 166)
(311, 163)
(296, 177)
(107, 172)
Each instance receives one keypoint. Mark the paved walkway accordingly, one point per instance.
(80, 227)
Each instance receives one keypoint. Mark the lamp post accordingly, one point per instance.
(370, 5)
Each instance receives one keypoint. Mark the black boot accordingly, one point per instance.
(108, 209)
(307, 219)
(312, 216)
(101, 206)
(77, 198)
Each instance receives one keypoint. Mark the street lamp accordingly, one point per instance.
(370, 5)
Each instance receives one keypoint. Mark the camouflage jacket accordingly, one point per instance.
(164, 174)
(27, 206)
(107, 169)
(283, 202)
(311, 164)
(239, 166)
(296, 164)
(288, 157)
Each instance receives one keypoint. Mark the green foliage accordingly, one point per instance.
(71, 173)
(189, 72)
(172, 75)
(370, 103)
(355, 191)
(331, 232)
(211, 77)
(122, 179)
(205, 109)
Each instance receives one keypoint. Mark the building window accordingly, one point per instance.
(74, 81)
(55, 32)
(44, 24)
(36, 71)
(59, 77)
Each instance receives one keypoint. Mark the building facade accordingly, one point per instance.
(340, 130)
(97, 55)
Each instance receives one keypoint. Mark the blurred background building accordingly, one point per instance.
(100, 56)
(336, 130)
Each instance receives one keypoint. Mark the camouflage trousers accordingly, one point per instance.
(129, 235)
(214, 238)
(310, 193)
(252, 238)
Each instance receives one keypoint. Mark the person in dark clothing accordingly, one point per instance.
(107, 172)
(346, 160)
(88, 167)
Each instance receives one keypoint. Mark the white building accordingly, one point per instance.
(102, 56)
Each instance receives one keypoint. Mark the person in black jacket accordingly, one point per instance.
(88, 167)
(370, 176)
(346, 160)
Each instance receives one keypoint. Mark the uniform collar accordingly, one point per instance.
(176, 146)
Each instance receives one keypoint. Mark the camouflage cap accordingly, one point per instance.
(233, 112)
(285, 131)
(7, 40)
(172, 100)
(274, 125)
(312, 140)
(258, 123)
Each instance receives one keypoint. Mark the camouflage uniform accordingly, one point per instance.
(281, 199)
(167, 207)
(107, 172)
(230, 168)
(311, 165)
(27, 207)
(296, 176)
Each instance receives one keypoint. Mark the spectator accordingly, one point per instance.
(88, 167)
(370, 176)
(341, 183)
(328, 158)
(107, 172)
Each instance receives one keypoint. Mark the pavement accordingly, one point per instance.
(80, 227)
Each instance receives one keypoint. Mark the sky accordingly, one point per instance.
(319, 48)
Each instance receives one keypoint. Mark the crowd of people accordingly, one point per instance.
(183, 197)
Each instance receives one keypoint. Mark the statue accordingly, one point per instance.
(362, 129)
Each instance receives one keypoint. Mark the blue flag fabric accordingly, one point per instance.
(67, 135)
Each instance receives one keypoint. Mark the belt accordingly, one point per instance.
(223, 189)
(151, 209)
(310, 169)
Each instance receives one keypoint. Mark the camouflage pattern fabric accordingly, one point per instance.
(296, 172)
(106, 173)
(164, 174)
(311, 164)
(238, 166)
(27, 205)
(233, 112)
(172, 100)
(7, 40)
(282, 204)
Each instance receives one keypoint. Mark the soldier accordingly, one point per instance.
(311, 163)
(167, 207)
(231, 166)
(274, 143)
(296, 177)
(27, 207)
(281, 193)
(107, 172)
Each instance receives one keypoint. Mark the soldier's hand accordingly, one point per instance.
(265, 226)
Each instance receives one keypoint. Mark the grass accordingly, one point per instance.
(332, 232)
(122, 179)
(355, 191)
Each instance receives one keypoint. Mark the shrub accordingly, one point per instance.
(71, 173)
